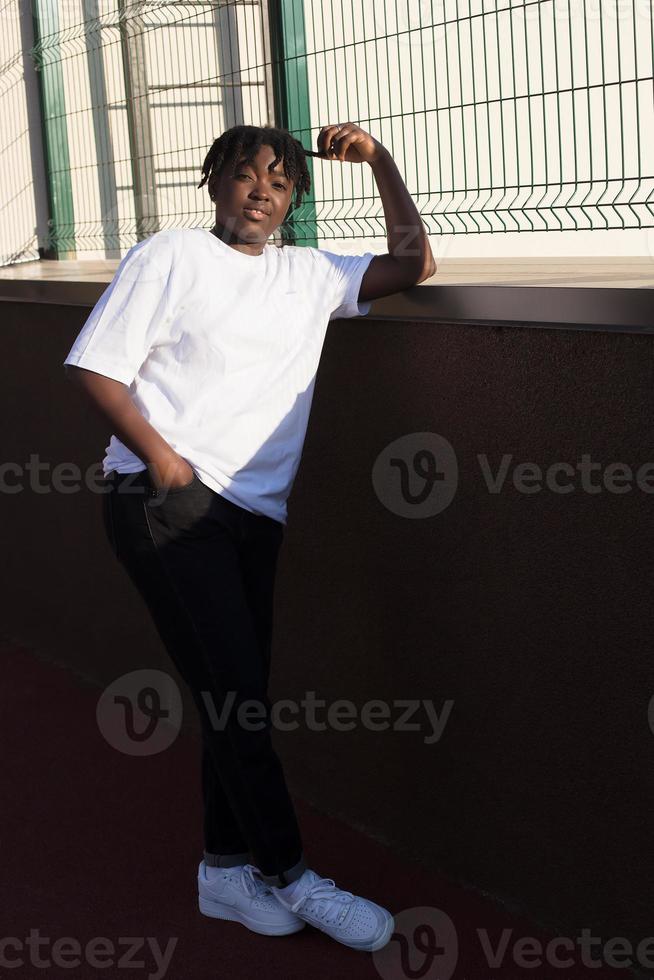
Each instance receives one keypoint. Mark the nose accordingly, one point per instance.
(258, 188)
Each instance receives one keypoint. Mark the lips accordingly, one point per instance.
(255, 214)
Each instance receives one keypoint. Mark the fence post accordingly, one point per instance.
(60, 242)
(34, 138)
(138, 118)
(292, 109)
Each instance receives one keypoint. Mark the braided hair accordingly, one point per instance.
(244, 142)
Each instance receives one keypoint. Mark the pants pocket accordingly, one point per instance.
(185, 486)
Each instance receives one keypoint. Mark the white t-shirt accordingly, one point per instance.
(220, 352)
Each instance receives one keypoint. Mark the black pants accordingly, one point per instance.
(205, 568)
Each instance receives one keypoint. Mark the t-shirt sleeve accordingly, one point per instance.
(120, 330)
(343, 274)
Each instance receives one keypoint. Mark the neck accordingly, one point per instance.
(248, 248)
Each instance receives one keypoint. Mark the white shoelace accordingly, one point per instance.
(326, 891)
(251, 881)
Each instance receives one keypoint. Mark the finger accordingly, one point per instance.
(329, 135)
(348, 132)
(324, 138)
(320, 142)
(331, 139)
(345, 142)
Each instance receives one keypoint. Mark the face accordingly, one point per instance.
(243, 187)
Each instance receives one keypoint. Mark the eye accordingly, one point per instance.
(283, 186)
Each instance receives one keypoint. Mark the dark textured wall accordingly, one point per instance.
(530, 612)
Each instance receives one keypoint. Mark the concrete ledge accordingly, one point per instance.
(570, 308)
(583, 294)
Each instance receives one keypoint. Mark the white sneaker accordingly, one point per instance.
(240, 895)
(348, 918)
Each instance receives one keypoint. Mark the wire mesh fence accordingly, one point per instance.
(17, 199)
(521, 115)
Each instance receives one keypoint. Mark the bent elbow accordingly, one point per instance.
(428, 272)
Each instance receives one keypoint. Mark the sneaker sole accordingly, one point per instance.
(217, 911)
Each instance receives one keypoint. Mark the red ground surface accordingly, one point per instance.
(99, 844)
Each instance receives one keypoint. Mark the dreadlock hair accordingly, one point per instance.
(244, 142)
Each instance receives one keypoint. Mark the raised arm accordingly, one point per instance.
(113, 403)
(409, 259)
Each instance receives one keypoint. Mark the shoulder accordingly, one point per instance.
(171, 249)
(320, 260)
(174, 240)
(160, 246)
(150, 260)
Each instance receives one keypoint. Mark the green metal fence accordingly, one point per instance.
(522, 115)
